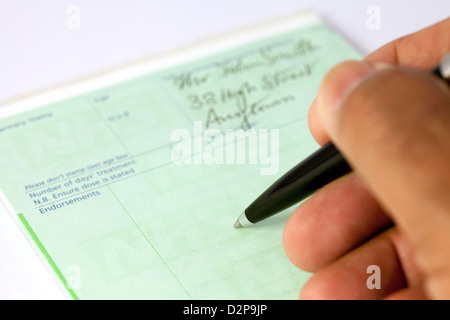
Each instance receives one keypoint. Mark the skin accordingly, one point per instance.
(391, 120)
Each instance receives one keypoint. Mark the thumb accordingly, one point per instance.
(393, 126)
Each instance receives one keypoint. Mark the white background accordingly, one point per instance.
(40, 47)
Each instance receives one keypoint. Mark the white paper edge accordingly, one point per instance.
(154, 63)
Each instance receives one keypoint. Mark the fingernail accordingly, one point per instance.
(339, 81)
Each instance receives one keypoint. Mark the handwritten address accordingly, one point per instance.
(242, 89)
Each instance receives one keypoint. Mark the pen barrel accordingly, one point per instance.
(323, 166)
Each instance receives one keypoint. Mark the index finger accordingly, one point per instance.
(423, 50)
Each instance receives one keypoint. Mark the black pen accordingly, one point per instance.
(320, 168)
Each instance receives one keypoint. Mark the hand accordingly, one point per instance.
(391, 121)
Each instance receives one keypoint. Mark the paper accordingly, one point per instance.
(128, 184)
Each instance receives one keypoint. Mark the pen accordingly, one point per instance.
(317, 170)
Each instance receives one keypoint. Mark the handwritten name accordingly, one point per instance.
(188, 80)
(268, 57)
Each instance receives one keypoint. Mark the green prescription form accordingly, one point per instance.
(127, 183)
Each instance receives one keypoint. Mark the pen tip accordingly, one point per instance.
(237, 224)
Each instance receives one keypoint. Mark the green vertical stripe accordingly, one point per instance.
(47, 255)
